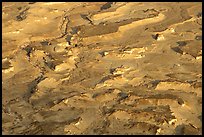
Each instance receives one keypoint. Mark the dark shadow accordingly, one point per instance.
(181, 43)
(106, 6)
(179, 130)
(177, 49)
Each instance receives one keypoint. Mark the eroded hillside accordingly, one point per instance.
(102, 68)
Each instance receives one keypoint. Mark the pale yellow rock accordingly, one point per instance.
(63, 66)
(199, 58)
(106, 53)
(64, 44)
(11, 69)
(106, 97)
(122, 115)
(158, 131)
(59, 49)
(174, 85)
(48, 83)
(121, 70)
(160, 37)
(172, 121)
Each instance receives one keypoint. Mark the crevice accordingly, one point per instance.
(106, 6)
(32, 87)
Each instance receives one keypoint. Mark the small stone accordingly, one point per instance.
(198, 37)
(158, 131)
(5, 59)
(107, 110)
(65, 101)
(61, 67)
(122, 95)
(103, 53)
(172, 30)
(59, 49)
(106, 53)
(22, 15)
(171, 122)
(180, 101)
(45, 43)
(64, 44)
(199, 57)
(11, 69)
(158, 37)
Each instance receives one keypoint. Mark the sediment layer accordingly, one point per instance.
(102, 68)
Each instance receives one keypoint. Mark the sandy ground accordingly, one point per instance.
(102, 68)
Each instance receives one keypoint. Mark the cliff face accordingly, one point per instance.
(101, 68)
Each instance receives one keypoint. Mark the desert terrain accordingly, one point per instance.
(99, 68)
